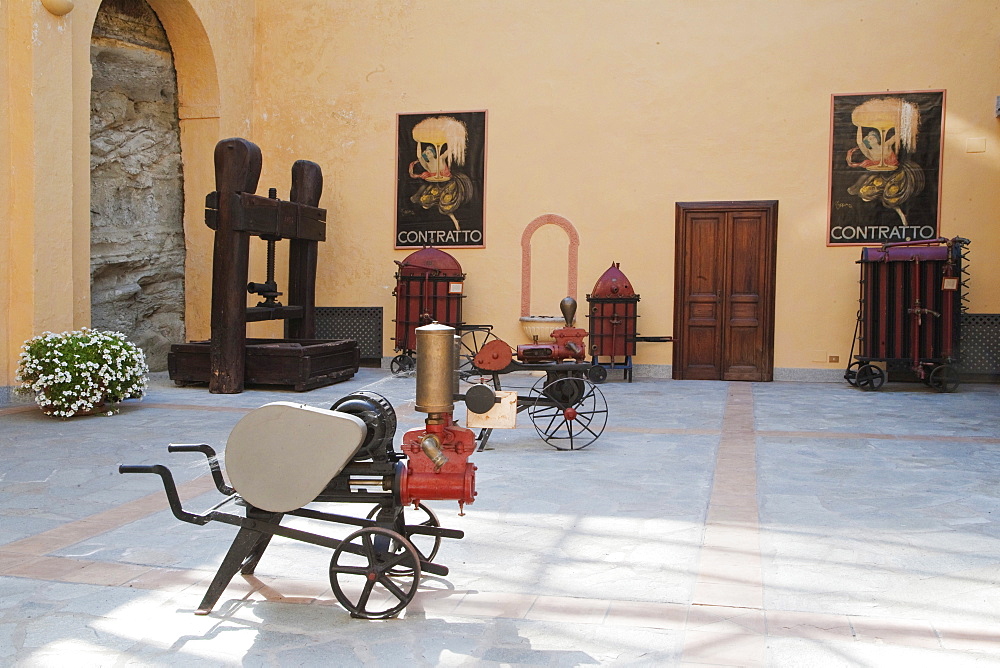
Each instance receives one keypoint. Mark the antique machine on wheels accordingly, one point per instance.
(283, 457)
(566, 408)
(613, 322)
(911, 306)
(429, 288)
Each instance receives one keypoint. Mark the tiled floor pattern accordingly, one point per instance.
(725, 623)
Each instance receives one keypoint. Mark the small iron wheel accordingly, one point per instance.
(597, 374)
(944, 378)
(402, 365)
(427, 546)
(869, 377)
(471, 342)
(851, 373)
(361, 573)
(569, 413)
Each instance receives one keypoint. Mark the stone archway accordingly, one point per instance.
(137, 199)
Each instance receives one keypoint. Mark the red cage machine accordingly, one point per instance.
(613, 321)
(909, 319)
(429, 288)
(284, 456)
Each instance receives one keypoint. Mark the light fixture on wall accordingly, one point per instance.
(58, 7)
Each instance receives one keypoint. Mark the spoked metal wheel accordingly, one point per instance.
(869, 377)
(402, 365)
(408, 524)
(568, 413)
(361, 573)
(472, 341)
(944, 378)
(851, 373)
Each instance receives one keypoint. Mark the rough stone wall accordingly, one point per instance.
(136, 198)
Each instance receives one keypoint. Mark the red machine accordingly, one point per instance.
(567, 342)
(429, 288)
(438, 453)
(613, 320)
(910, 315)
(567, 409)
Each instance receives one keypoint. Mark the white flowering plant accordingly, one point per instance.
(81, 371)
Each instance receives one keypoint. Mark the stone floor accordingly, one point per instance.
(713, 523)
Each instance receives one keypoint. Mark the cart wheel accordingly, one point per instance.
(869, 377)
(361, 573)
(569, 413)
(402, 365)
(426, 546)
(597, 374)
(851, 373)
(471, 343)
(944, 378)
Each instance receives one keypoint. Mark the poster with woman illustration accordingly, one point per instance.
(885, 167)
(440, 179)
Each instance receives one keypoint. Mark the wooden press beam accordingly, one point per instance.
(237, 170)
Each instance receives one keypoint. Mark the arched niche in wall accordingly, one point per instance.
(572, 259)
(153, 75)
(198, 102)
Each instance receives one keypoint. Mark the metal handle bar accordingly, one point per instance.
(171, 490)
(213, 463)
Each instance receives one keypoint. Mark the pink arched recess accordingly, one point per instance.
(572, 263)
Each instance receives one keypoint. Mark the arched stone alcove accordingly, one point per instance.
(137, 199)
(572, 259)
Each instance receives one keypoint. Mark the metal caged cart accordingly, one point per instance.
(429, 288)
(911, 305)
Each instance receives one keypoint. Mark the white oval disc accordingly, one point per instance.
(280, 456)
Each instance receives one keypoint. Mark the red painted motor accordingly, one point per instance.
(429, 288)
(438, 454)
(567, 342)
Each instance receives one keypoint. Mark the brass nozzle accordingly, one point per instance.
(432, 448)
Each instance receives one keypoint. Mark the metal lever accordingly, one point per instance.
(213, 463)
(171, 490)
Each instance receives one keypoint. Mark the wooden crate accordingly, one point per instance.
(303, 364)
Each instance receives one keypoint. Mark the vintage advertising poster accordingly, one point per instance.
(440, 179)
(885, 167)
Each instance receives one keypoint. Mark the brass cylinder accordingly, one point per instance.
(435, 368)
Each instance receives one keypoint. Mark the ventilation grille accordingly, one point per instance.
(981, 343)
(361, 323)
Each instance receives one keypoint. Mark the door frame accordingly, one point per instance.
(770, 210)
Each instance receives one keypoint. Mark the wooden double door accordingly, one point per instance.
(724, 290)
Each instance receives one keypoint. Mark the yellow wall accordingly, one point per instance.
(605, 113)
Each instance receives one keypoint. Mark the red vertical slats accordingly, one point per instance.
(867, 314)
(900, 317)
